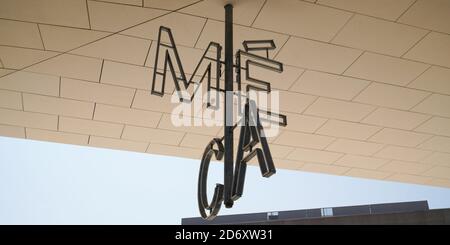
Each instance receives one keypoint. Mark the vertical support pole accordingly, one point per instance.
(228, 110)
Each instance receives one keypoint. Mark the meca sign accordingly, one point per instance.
(252, 140)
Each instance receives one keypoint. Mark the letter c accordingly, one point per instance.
(217, 200)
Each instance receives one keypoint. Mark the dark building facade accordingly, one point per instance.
(410, 213)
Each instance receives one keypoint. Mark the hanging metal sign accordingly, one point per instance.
(252, 140)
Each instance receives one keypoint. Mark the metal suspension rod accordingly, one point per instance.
(228, 110)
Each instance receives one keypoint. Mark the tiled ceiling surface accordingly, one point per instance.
(366, 85)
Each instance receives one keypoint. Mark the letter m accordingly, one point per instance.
(168, 59)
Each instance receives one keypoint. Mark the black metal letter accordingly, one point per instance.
(216, 202)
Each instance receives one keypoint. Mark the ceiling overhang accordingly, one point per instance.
(366, 84)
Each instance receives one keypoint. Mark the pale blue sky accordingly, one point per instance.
(48, 183)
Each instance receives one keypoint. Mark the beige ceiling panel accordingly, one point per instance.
(195, 141)
(369, 174)
(270, 138)
(126, 116)
(302, 19)
(395, 118)
(316, 156)
(166, 123)
(429, 14)
(84, 126)
(386, 69)
(438, 158)
(71, 66)
(349, 130)
(12, 131)
(175, 151)
(10, 100)
(168, 4)
(405, 167)
(433, 49)
(188, 56)
(338, 109)
(127, 75)
(58, 137)
(282, 81)
(147, 101)
(31, 82)
(20, 34)
(436, 79)
(62, 39)
(268, 101)
(437, 143)
(4, 72)
(18, 58)
(438, 172)
(117, 144)
(298, 139)
(58, 12)
(28, 119)
(329, 85)
(244, 13)
(399, 137)
(281, 164)
(214, 32)
(379, 36)
(302, 123)
(96, 92)
(440, 182)
(280, 151)
(408, 178)
(58, 106)
(402, 153)
(152, 135)
(118, 17)
(317, 55)
(118, 48)
(129, 2)
(355, 161)
(391, 96)
(324, 168)
(436, 125)
(294, 102)
(185, 28)
(385, 9)
(436, 104)
(354, 147)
